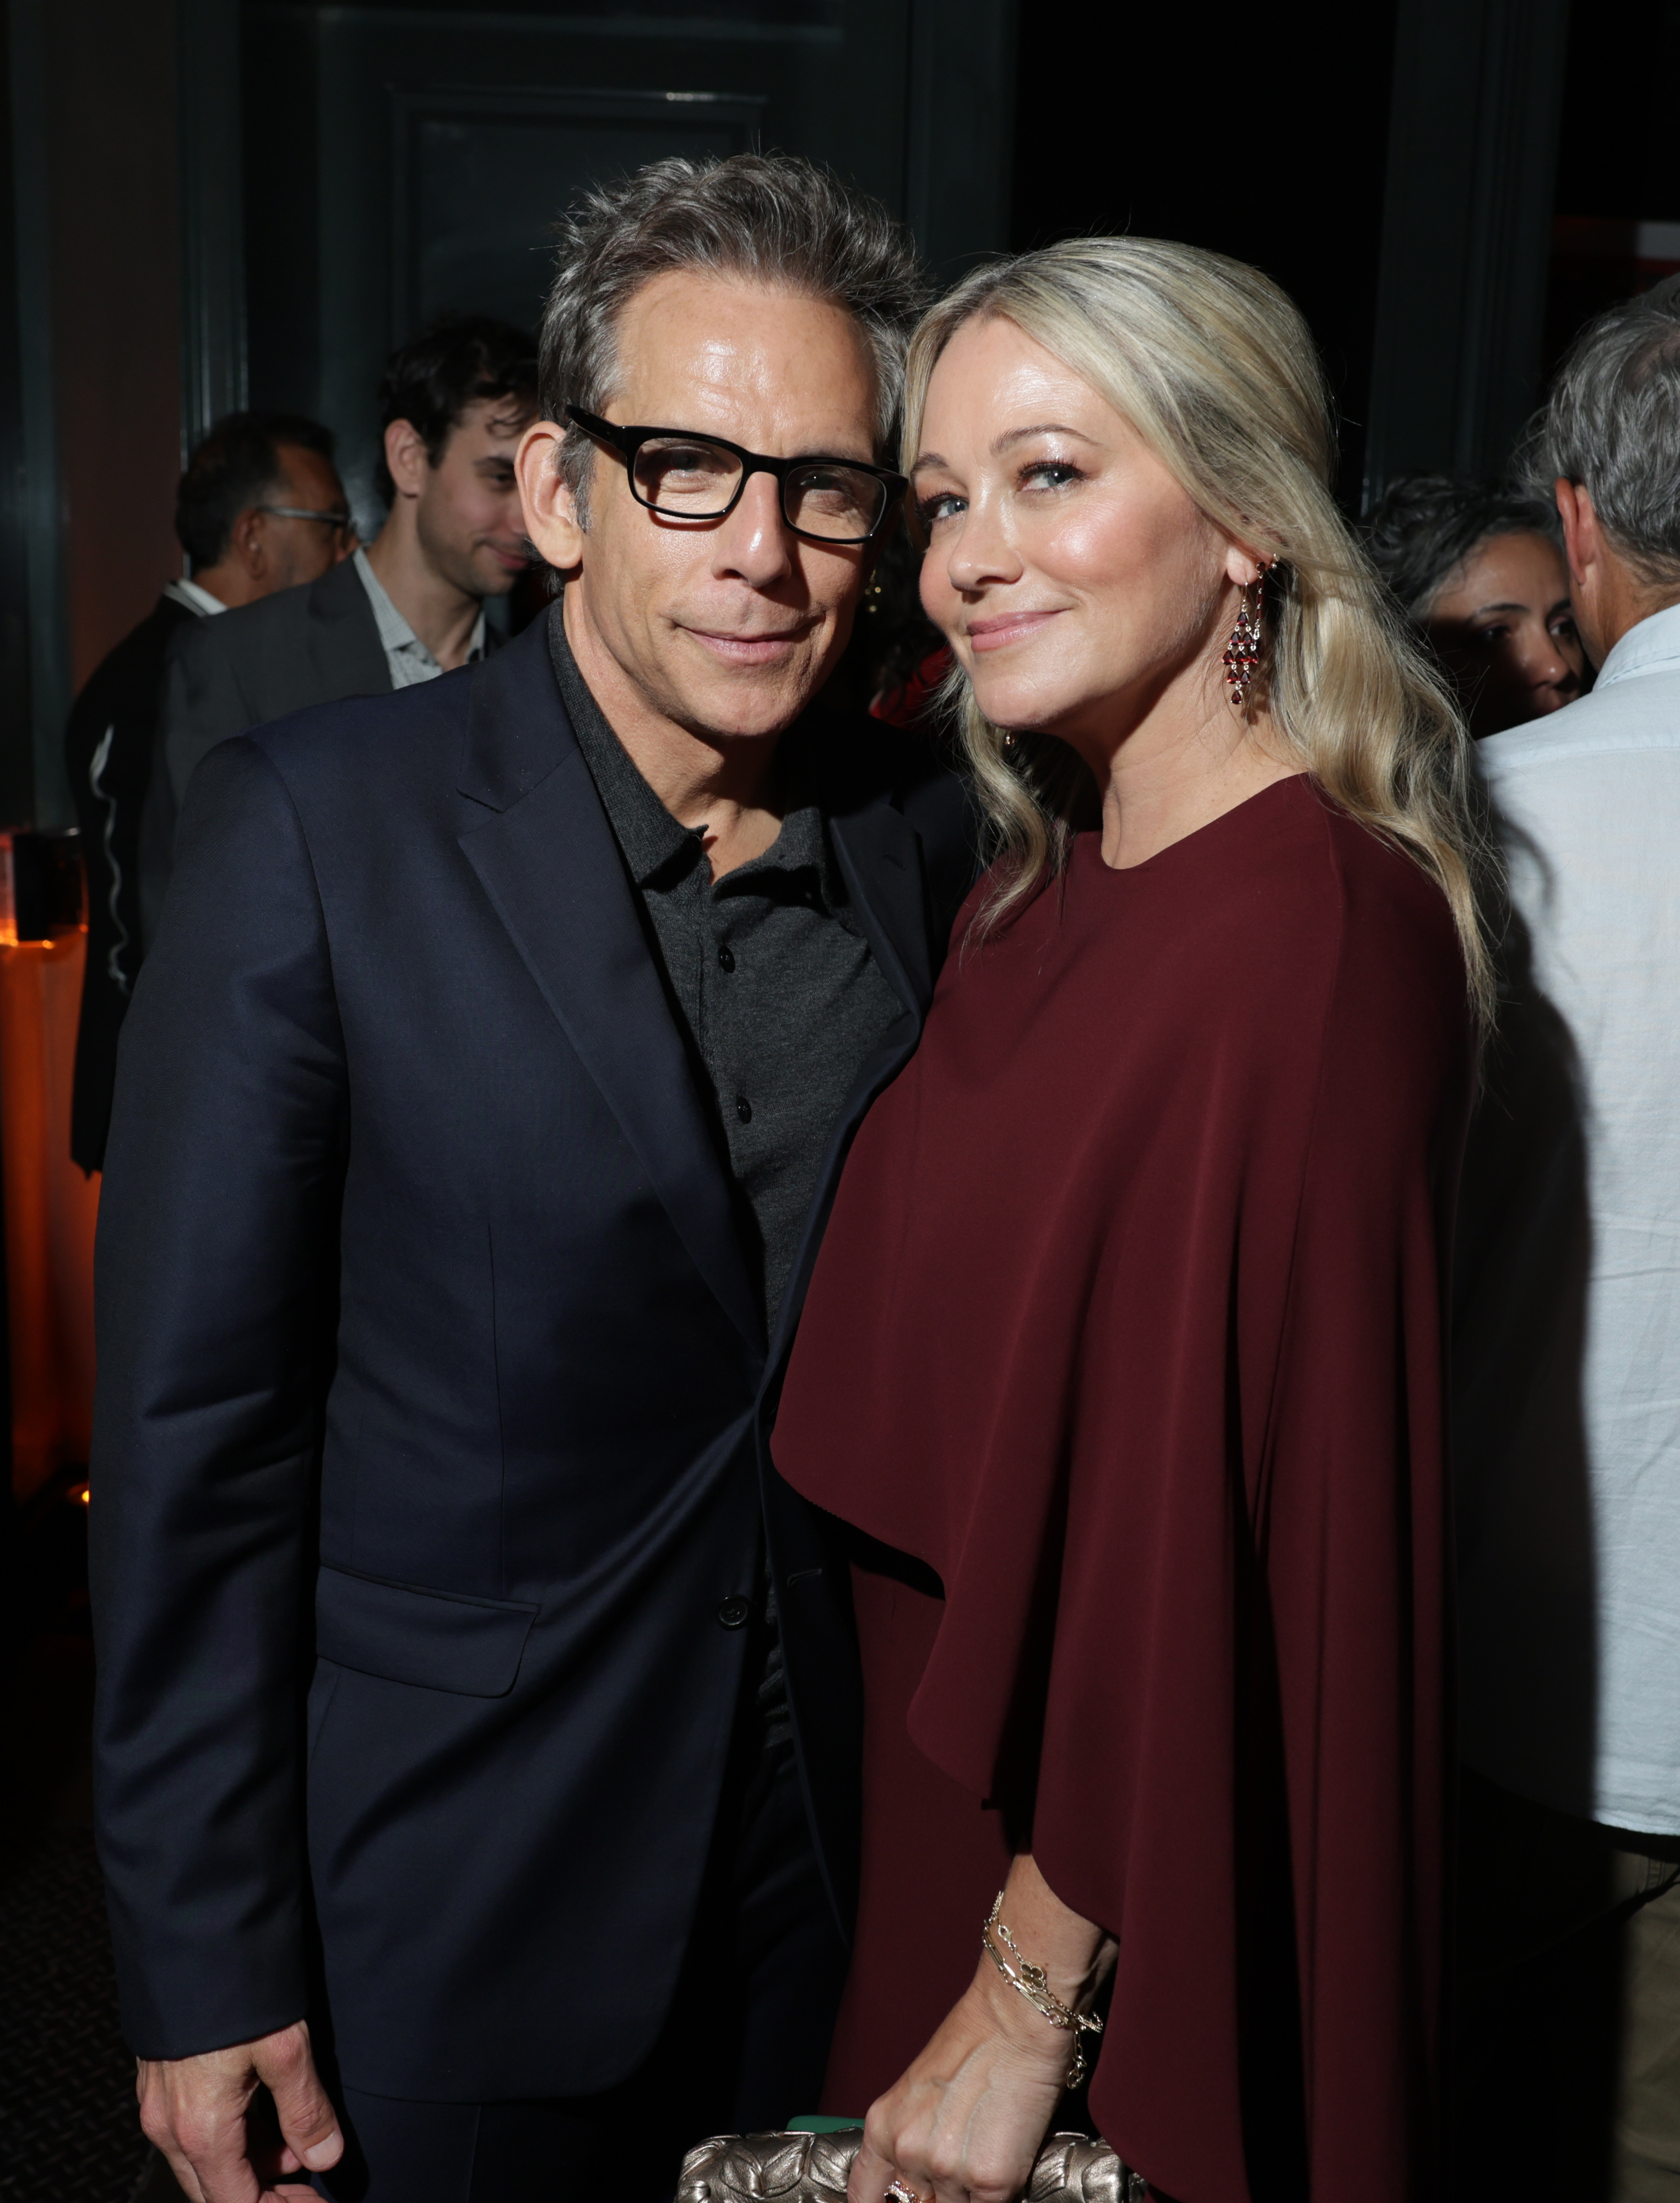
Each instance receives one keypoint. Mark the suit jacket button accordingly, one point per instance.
(734, 1610)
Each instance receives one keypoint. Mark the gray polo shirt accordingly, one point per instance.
(770, 973)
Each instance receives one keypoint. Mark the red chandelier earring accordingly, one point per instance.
(1241, 660)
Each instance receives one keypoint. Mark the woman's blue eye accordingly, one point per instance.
(1051, 473)
(932, 510)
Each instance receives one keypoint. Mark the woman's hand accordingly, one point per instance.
(965, 2123)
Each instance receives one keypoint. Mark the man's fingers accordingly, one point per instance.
(218, 2162)
(309, 2125)
(158, 2125)
(186, 2178)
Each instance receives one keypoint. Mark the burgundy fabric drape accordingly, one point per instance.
(1128, 1324)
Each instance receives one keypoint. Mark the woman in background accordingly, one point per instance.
(1142, 1255)
(1481, 570)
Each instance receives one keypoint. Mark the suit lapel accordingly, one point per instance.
(344, 636)
(881, 859)
(548, 860)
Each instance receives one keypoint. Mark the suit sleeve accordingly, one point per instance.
(214, 1287)
(202, 704)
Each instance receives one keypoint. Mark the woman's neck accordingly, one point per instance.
(1167, 771)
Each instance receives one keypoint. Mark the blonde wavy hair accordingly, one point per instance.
(1214, 368)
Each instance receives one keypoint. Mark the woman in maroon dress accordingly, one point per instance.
(1124, 1351)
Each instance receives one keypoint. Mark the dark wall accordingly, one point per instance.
(17, 776)
(1618, 162)
(1618, 152)
(1263, 136)
(90, 416)
(115, 311)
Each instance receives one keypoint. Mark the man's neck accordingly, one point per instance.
(442, 614)
(727, 787)
(228, 583)
(1624, 610)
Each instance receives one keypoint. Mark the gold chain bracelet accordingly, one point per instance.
(1033, 1985)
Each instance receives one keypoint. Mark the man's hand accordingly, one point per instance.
(194, 2109)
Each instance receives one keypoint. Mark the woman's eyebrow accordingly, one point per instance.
(1039, 429)
(1009, 437)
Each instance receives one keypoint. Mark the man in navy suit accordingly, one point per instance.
(477, 1728)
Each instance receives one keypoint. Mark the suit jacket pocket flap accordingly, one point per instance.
(437, 1639)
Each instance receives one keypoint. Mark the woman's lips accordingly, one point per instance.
(1007, 626)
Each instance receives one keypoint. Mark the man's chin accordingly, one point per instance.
(744, 701)
(496, 579)
(742, 710)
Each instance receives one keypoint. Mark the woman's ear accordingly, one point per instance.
(1243, 567)
(550, 508)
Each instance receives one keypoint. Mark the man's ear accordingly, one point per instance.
(406, 456)
(1583, 547)
(246, 545)
(550, 509)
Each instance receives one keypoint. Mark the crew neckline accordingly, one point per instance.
(1094, 835)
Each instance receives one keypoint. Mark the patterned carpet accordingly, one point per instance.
(67, 2128)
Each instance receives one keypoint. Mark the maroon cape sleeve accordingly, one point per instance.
(1301, 1920)
(1244, 1760)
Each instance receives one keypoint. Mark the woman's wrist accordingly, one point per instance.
(1036, 1995)
(1006, 2014)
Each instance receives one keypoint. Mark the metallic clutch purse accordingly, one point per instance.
(814, 2168)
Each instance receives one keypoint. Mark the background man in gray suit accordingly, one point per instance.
(453, 403)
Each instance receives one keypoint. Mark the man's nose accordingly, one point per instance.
(753, 543)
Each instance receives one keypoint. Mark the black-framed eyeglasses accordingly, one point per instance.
(340, 522)
(685, 477)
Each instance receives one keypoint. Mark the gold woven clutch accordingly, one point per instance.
(807, 2168)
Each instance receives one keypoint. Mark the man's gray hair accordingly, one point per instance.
(771, 218)
(1612, 424)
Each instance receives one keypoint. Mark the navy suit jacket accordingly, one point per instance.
(429, 1439)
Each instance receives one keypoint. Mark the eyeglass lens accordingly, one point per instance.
(692, 480)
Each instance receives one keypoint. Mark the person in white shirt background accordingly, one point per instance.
(1568, 1353)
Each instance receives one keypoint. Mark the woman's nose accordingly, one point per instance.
(983, 554)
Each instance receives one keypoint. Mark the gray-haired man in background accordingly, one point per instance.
(1569, 1354)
